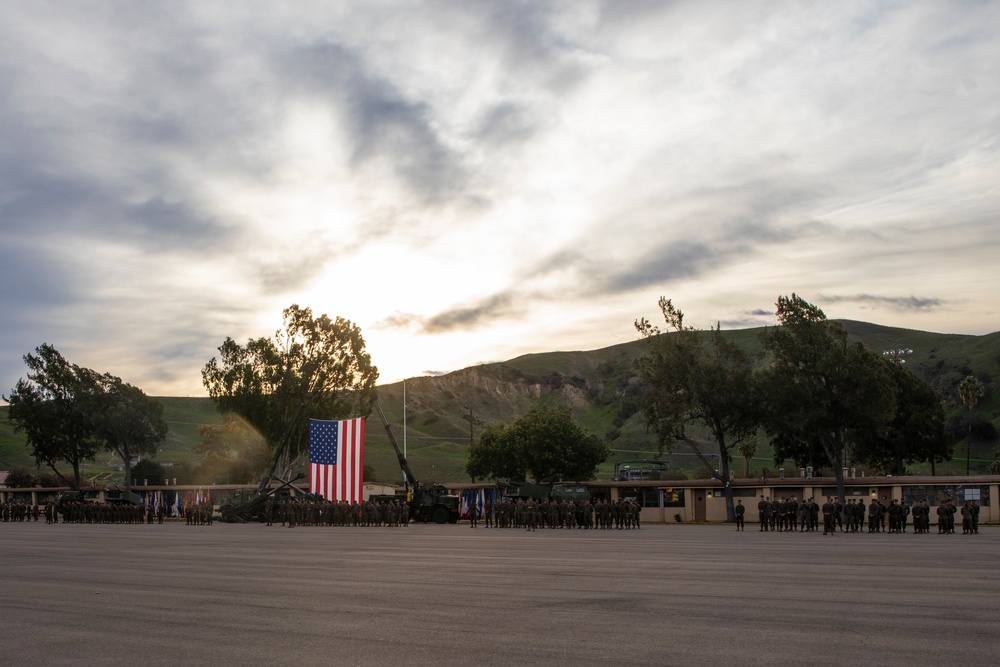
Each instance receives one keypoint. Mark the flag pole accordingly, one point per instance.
(404, 424)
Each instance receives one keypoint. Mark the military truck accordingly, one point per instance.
(428, 502)
(65, 497)
(119, 496)
(558, 491)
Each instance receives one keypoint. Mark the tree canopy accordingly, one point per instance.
(697, 384)
(19, 478)
(127, 422)
(232, 452)
(149, 471)
(545, 443)
(313, 367)
(820, 389)
(48, 407)
(916, 431)
(69, 413)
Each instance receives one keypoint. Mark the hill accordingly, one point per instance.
(598, 386)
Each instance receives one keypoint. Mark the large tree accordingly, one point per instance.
(821, 390)
(126, 421)
(70, 412)
(700, 390)
(314, 367)
(47, 407)
(916, 431)
(545, 443)
(150, 472)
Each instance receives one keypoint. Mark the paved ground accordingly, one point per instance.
(450, 595)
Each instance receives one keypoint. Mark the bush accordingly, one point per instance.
(49, 481)
(149, 472)
(20, 478)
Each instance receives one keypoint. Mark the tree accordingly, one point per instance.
(747, 449)
(70, 412)
(970, 390)
(916, 431)
(126, 421)
(232, 452)
(698, 383)
(545, 443)
(150, 471)
(47, 407)
(311, 368)
(19, 478)
(821, 391)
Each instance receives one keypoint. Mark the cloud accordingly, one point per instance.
(470, 317)
(693, 257)
(172, 176)
(506, 123)
(895, 302)
(380, 122)
(459, 318)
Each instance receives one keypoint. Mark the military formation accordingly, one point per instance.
(532, 514)
(11, 511)
(99, 512)
(199, 514)
(527, 514)
(774, 515)
(293, 513)
(878, 516)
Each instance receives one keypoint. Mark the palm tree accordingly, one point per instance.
(970, 390)
(747, 449)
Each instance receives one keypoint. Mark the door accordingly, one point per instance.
(699, 504)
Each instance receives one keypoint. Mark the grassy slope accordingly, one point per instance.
(599, 388)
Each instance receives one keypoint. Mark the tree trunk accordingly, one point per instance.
(839, 471)
(727, 485)
(76, 470)
(968, 444)
(838, 465)
(127, 460)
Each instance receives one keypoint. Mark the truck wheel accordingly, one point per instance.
(439, 515)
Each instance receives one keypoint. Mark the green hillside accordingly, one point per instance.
(600, 389)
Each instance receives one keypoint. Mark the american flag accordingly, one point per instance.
(336, 458)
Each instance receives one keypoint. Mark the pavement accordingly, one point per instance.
(452, 595)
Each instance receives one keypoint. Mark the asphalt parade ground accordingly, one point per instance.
(452, 595)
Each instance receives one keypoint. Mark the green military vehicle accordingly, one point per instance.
(65, 497)
(119, 496)
(558, 491)
(428, 502)
(246, 505)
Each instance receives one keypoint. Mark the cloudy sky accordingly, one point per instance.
(470, 181)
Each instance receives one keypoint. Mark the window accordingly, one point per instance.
(914, 494)
(849, 492)
(673, 497)
(650, 498)
(936, 495)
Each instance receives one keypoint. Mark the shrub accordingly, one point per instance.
(20, 478)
